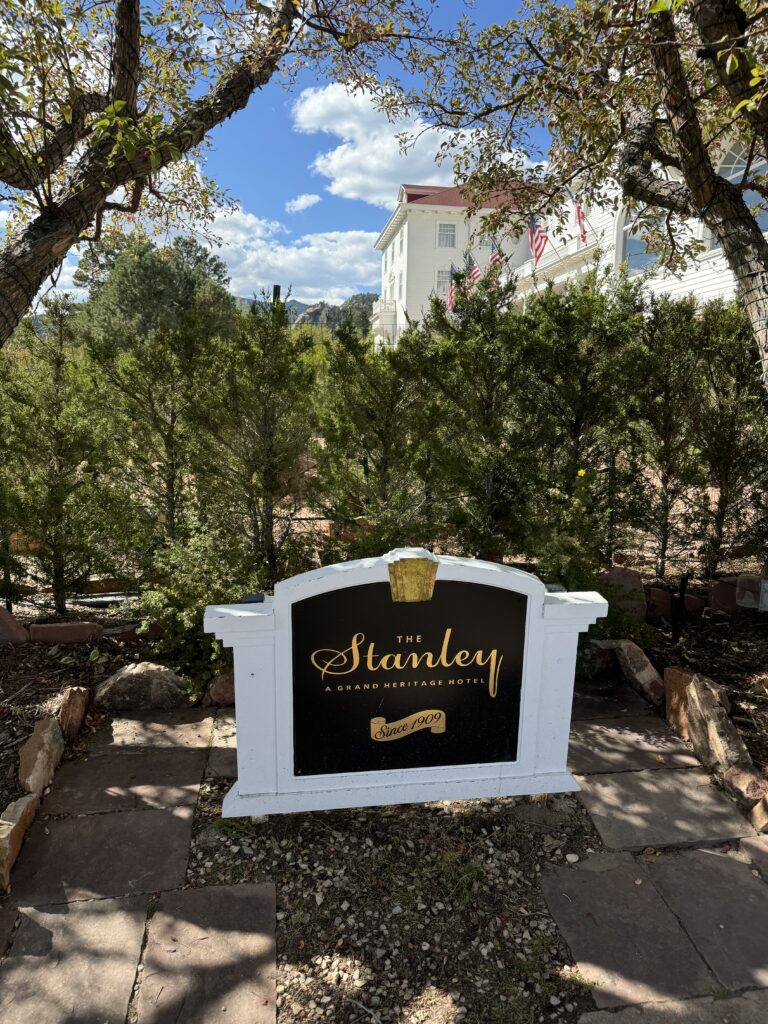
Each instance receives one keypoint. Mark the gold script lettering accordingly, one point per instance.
(331, 662)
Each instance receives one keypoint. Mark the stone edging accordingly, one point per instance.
(38, 760)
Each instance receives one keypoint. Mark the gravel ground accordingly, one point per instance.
(422, 914)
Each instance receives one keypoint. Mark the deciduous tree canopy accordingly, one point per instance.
(104, 106)
(640, 100)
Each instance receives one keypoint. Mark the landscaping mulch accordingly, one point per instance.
(426, 913)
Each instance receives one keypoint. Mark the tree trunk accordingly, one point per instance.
(58, 580)
(7, 578)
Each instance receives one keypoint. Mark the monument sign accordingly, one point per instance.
(410, 677)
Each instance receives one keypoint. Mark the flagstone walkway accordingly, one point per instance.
(102, 919)
(99, 924)
(678, 933)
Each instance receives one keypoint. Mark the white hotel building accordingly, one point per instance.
(429, 230)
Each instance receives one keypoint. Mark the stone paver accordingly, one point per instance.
(102, 855)
(73, 964)
(629, 744)
(210, 956)
(222, 760)
(154, 729)
(750, 1008)
(626, 941)
(756, 848)
(633, 810)
(127, 781)
(724, 910)
(593, 699)
(7, 922)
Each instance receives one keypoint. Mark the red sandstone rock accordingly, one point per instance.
(676, 681)
(221, 691)
(659, 603)
(639, 672)
(14, 822)
(73, 709)
(722, 595)
(11, 630)
(65, 632)
(628, 587)
(40, 755)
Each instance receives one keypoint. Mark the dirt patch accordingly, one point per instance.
(430, 913)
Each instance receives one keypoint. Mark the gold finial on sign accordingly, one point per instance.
(411, 574)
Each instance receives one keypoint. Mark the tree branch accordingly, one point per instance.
(126, 55)
(721, 25)
(27, 170)
(636, 175)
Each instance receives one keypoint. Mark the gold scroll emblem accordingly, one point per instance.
(382, 730)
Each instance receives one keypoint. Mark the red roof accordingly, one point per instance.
(449, 195)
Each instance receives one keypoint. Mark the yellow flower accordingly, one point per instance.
(582, 472)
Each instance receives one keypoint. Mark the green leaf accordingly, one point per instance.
(659, 6)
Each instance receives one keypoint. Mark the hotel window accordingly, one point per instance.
(400, 286)
(385, 260)
(402, 232)
(446, 236)
(443, 283)
(633, 250)
(732, 168)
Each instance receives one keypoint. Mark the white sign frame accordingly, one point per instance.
(260, 636)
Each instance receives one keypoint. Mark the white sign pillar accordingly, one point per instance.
(409, 677)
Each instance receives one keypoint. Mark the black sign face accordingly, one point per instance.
(380, 685)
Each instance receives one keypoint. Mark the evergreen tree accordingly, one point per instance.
(579, 368)
(481, 442)
(371, 470)
(58, 445)
(150, 325)
(731, 433)
(669, 395)
(255, 410)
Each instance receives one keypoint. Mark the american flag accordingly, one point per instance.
(473, 272)
(537, 238)
(452, 288)
(497, 256)
(581, 219)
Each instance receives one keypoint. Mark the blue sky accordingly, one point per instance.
(315, 172)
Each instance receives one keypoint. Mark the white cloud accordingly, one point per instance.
(329, 265)
(369, 163)
(302, 202)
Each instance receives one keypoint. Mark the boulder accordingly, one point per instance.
(65, 632)
(72, 710)
(11, 630)
(714, 737)
(40, 755)
(639, 672)
(628, 590)
(676, 681)
(746, 785)
(759, 815)
(14, 822)
(142, 686)
(722, 596)
(694, 605)
(659, 603)
(221, 691)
